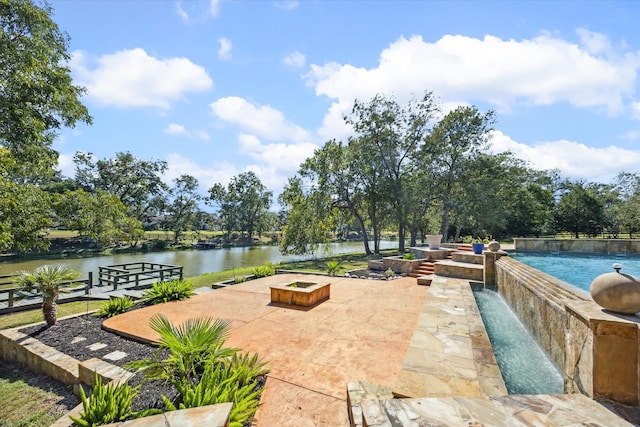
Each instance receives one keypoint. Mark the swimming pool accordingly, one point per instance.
(524, 365)
(578, 269)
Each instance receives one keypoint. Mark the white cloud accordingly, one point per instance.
(224, 53)
(180, 130)
(206, 176)
(66, 165)
(181, 12)
(635, 110)
(264, 121)
(287, 4)
(132, 78)
(275, 162)
(284, 157)
(214, 7)
(295, 60)
(574, 160)
(595, 43)
(201, 134)
(504, 73)
(333, 125)
(175, 129)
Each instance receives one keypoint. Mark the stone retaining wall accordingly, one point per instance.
(606, 246)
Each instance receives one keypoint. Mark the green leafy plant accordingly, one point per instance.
(232, 381)
(408, 256)
(107, 404)
(389, 273)
(190, 345)
(239, 279)
(268, 269)
(333, 267)
(49, 281)
(114, 306)
(174, 290)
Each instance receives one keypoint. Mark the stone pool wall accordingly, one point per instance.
(605, 246)
(598, 352)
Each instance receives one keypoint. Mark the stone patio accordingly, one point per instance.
(399, 338)
(361, 332)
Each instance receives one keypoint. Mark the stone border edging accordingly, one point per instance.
(40, 358)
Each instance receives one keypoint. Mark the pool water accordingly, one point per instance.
(578, 269)
(525, 366)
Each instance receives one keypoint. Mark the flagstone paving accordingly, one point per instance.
(362, 331)
(369, 338)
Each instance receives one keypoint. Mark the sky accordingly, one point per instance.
(216, 88)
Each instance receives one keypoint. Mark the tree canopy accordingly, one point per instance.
(243, 205)
(37, 97)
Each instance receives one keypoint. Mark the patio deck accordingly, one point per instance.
(362, 332)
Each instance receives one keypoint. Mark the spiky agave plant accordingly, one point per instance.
(49, 280)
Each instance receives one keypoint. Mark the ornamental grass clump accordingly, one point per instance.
(107, 404)
(114, 306)
(268, 269)
(174, 290)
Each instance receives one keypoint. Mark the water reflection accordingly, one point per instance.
(194, 261)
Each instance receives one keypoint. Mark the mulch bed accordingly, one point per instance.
(61, 335)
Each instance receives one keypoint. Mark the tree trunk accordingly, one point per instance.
(445, 224)
(363, 230)
(413, 232)
(401, 238)
(50, 312)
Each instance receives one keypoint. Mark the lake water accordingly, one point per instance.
(578, 269)
(195, 262)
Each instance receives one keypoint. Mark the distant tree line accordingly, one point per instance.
(410, 169)
(407, 168)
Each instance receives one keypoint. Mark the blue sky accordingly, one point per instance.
(217, 88)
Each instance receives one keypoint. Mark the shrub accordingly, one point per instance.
(240, 279)
(389, 273)
(333, 267)
(268, 269)
(190, 345)
(202, 370)
(115, 306)
(174, 290)
(409, 256)
(108, 404)
(232, 381)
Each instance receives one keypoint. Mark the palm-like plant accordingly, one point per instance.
(49, 281)
(190, 346)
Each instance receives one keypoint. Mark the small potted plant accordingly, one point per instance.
(478, 246)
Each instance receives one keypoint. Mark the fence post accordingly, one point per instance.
(10, 300)
(87, 290)
(181, 273)
(115, 283)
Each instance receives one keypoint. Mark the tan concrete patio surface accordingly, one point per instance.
(361, 332)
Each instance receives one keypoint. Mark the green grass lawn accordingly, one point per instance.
(30, 400)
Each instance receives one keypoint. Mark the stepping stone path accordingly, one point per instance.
(96, 346)
(115, 355)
